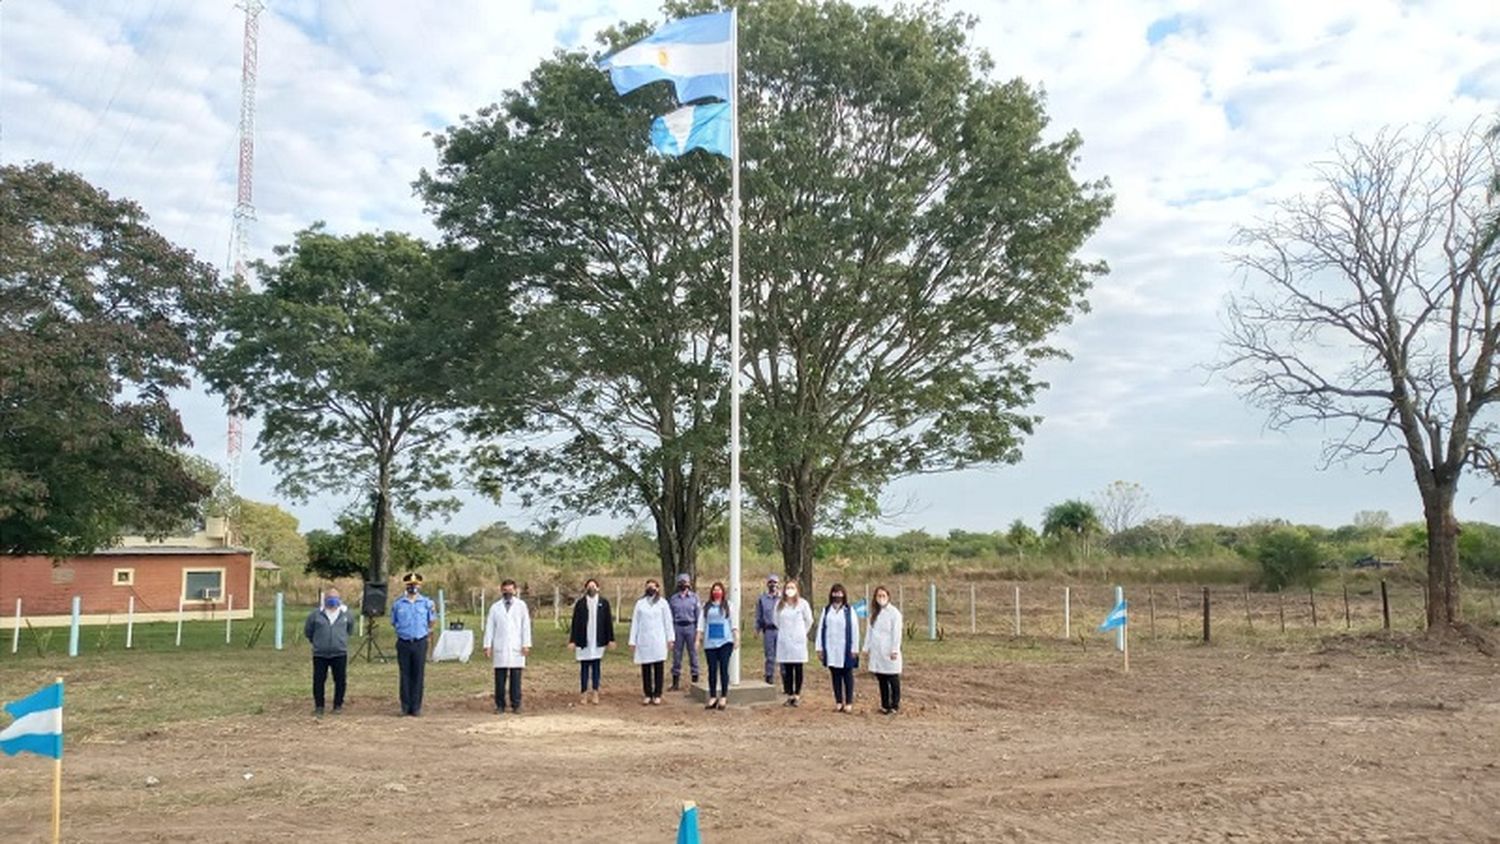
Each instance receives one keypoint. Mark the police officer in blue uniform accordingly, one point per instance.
(685, 609)
(413, 617)
(765, 622)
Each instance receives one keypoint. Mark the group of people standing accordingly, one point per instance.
(659, 626)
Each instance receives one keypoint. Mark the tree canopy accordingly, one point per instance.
(101, 318)
(343, 355)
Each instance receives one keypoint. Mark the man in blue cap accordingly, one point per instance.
(413, 617)
(685, 609)
(765, 621)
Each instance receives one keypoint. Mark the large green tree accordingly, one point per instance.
(912, 231)
(612, 260)
(101, 318)
(342, 355)
(272, 532)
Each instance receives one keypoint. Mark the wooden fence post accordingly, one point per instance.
(1385, 606)
(1206, 627)
(1151, 606)
(1249, 621)
(1348, 619)
(973, 608)
(1312, 601)
(1067, 612)
(1179, 610)
(1281, 609)
(1018, 610)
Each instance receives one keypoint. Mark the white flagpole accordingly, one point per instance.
(734, 341)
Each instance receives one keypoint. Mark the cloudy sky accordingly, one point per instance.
(1199, 113)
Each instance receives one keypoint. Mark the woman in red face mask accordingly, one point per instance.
(716, 635)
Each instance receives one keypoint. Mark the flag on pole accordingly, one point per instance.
(695, 54)
(38, 725)
(1115, 619)
(687, 826)
(861, 609)
(705, 127)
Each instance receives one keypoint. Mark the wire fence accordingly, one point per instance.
(930, 609)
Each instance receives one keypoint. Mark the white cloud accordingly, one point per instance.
(1196, 131)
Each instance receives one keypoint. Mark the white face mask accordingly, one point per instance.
(882, 601)
(791, 593)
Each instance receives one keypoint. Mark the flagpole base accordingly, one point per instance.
(744, 694)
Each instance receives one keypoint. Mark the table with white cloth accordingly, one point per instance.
(454, 644)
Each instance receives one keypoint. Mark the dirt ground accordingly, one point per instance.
(1353, 740)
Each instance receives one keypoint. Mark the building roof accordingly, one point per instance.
(266, 565)
(164, 551)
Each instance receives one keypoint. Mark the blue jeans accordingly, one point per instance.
(843, 684)
(588, 669)
(718, 669)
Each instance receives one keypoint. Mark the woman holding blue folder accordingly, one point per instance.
(716, 636)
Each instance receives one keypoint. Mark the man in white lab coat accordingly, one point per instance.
(507, 641)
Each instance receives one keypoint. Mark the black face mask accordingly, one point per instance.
(411, 590)
(838, 599)
(650, 591)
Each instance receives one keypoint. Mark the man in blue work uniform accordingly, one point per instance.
(412, 617)
(765, 622)
(685, 608)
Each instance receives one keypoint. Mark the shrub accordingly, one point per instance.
(1287, 557)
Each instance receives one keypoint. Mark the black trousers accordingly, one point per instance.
(411, 659)
(718, 669)
(651, 677)
(791, 678)
(321, 666)
(843, 684)
(511, 676)
(890, 690)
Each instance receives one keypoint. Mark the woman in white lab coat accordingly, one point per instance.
(507, 641)
(794, 618)
(838, 646)
(650, 639)
(883, 646)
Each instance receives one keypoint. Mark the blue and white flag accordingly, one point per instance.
(695, 54)
(861, 609)
(1115, 619)
(705, 127)
(38, 725)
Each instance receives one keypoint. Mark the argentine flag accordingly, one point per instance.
(38, 725)
(1115, 619)
(703, 126)
(695, 54)
(861, 609)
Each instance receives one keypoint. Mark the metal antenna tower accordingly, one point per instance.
(244, 208)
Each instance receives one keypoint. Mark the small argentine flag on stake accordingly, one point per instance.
(1118, 620)
(861, 609)
(37, 728)
(687, 826)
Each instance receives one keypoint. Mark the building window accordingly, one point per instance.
(124, 577)
(203, 584)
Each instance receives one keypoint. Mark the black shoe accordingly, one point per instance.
(499, 710)
(338, 709)
(515, 710)
(695, 678)
(768, 679)
(676, 683)
(789, 702)
(317, 712)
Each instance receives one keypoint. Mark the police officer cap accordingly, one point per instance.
(412, 577)
(771, 578)
(684, 578)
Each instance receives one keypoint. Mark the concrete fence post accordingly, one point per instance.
(73, 627)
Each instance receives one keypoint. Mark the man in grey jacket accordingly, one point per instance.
(328, 629)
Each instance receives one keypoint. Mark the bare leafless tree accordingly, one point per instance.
(1371, 306)
(1121, 506)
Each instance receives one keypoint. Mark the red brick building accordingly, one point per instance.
(205, 580)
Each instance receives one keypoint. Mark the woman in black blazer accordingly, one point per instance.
(592, 633)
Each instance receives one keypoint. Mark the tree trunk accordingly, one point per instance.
(380, 532)
(1444, 604)
(794, 517)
